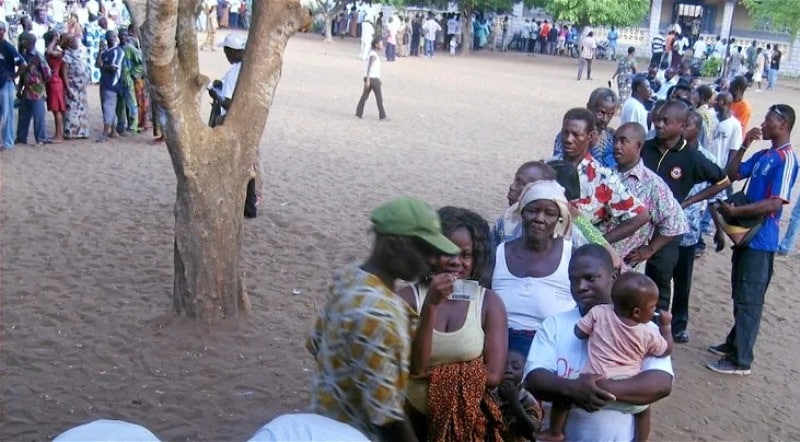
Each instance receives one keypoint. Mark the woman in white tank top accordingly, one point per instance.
(456, 333)
(530, 273)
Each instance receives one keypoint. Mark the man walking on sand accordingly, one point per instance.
(588, 46)
(361, 341)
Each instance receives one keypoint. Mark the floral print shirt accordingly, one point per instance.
(604, 197)
(603, 151)
(666, 216)
(35, 76)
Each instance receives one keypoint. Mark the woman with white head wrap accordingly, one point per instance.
(530, 273)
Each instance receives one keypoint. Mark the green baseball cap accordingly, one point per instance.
(412, 217)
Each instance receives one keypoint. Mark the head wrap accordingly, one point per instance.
(552, 191)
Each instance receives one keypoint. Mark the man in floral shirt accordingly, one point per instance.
(604, 198)
(603, 103)
(667, 220)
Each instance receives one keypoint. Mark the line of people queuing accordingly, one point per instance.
(52, 73)
(554, 306)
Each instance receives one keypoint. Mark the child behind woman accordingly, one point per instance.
(620, 337)
(522, 415)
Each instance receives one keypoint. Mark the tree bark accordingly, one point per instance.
(212, 166)
(328, 24)
(466, 32)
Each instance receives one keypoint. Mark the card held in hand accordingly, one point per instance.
(465, 290)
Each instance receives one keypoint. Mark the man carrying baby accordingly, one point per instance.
(619, 337)
(557, 356)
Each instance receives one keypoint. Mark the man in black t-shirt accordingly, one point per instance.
(681, 168)
(774, 65)
(10, 59)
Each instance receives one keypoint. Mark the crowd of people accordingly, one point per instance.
(62, 48)
(574, 298)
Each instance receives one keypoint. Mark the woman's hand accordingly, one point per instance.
(440, 288)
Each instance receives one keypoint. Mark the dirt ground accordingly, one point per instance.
(87, 252)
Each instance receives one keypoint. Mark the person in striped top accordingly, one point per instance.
(657, 48)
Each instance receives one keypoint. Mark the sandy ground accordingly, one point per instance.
(87, 252)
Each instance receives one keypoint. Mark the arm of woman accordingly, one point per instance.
(441, 286)
(495, 341)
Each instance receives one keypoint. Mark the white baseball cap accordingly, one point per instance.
(233, 41)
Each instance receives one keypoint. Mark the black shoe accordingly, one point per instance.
(726, 366)
(723, 350)
(681, 337)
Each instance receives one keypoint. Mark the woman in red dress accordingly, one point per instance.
(56, 98)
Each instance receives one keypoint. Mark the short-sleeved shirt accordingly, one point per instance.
(695, 212)
(742, 111)
(9, 59)
(588, 46)
(727, 137)
(616, 348)
(604, 196)
(657, 46)
(633, 111)
(772, 174)
(229, 83)
(680, 167)
(361, 343)
(603, 151)
(556, 349)
(112, 57)
(666, 216)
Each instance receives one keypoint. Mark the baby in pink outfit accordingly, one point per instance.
(620, 337)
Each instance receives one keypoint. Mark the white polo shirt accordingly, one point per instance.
(229, 83)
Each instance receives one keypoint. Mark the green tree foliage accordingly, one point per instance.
(781, 14)
(597, 12)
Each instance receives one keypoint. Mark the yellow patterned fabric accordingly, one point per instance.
(361, 343)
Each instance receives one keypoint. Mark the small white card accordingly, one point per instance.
(465, 290)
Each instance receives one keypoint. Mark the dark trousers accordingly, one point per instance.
(682, 279)
(660, 268)
(655, 60)
(751, 272)
(374, 85)
(31, 110)
(391, 52)
(250, 209)
(414, 45)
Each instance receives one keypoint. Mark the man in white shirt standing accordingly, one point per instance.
(452, 25)
(234, 45)
(556, 357)
(58, 11)
(728, 136)
(367, 31)
(429, 30)
(39, 27)
(699, 50)
(633, 111)
(588, 45)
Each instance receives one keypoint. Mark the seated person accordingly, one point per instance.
(620, 337)
(522, 414)
(557, 356)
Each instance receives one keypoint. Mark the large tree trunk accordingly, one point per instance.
(466, 31)
(328, 25)
(212, 166)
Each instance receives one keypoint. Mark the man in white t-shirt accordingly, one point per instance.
(588, 46)
(699, 50)
(307, 427)
(728, 134)
(429, 30)
(633, 111)
(552, 370)
(58, 11)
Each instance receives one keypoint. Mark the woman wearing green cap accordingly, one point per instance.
(459, 350)
(361, 340)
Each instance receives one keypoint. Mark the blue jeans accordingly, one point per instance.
(750, 276)
(791, 232)
(31, 109)
(429, 47)
(7, 114)
(772, 78)
(391, 52)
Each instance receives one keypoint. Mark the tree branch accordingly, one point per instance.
(187, 43)
(261, 70)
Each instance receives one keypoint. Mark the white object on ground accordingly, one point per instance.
(106, 430)
(307, 428)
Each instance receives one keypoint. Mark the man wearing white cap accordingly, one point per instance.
(234, 45)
